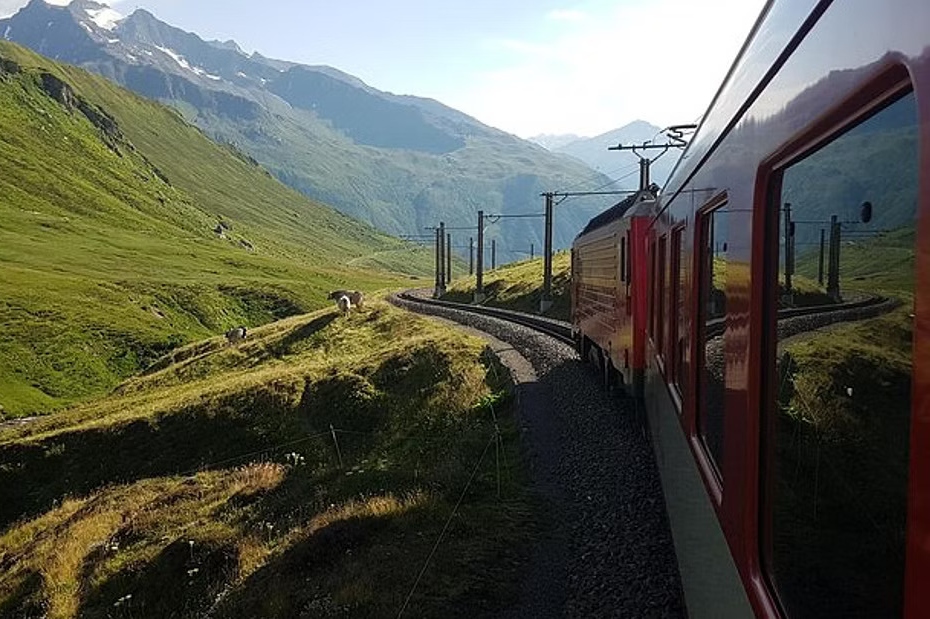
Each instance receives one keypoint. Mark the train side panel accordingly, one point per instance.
(815, 484)
(600, 313)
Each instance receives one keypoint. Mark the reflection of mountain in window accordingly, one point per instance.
(837, 492)
(714, 246)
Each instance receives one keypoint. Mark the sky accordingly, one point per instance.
(528, 67)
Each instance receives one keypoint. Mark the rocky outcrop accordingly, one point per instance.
(61, 91)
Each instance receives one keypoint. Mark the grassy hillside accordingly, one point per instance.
(213, 483)
(518, 286)
(125, 232)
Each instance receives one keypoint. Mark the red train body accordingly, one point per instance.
(609, 289)
(772, 309)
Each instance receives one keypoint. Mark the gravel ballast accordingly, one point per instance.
(605, 548)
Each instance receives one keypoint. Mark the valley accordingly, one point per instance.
(364, 465)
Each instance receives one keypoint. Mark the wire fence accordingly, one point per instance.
(333, 439)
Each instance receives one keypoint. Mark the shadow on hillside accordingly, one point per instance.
(35, 475)
(286, 344)
(181, 581)
(26, 599)
(346, 558)
(279, 348)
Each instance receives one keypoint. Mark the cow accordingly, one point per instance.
(344, 304)
(356, 297)
(234, 336)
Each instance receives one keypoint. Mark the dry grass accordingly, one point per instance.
(78, 546)
(101, 520)
(518, 286)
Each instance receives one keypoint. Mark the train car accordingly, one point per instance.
(608, 310)
(787, 334)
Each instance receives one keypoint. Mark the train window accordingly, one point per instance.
(652, 297)
(711, 368)
(659, 280)
(629, 258)
(675, 309)
(836, 487)
(623, 259)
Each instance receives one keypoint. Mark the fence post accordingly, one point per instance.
(332, 431)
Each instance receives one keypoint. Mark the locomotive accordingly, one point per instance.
(765, 309)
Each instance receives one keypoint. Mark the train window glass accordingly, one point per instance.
(622, 258)
(712, 369)
(839, 422)
(674, 307)
(652, 298)
(683, 312)
(660, 294)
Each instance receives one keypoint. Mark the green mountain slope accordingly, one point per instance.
(399, 162)
(124, 232)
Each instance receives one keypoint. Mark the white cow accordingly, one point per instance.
(356, 297)
(234, 336)
(344, 304)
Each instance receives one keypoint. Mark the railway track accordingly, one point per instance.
(602, 544)
(818, 315)
(557, 329)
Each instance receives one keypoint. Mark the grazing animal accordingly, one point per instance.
(356, 297)
(344, 305)
(234, 336)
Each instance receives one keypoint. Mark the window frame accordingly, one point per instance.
(888, 87)
(711, 470)
(674, 291)
(659, 284)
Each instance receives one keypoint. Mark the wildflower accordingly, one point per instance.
(123, 600)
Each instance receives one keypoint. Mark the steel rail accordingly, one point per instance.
(557, 329)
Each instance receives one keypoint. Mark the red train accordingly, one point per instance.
(766, 307)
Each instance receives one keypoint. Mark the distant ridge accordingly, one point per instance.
(593, 151)
(399, 162)
(126, 232)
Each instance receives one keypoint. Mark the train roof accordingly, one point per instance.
(620, 209)
(766, 42)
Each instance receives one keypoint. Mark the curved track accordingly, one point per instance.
(602, 544)
(557, 329)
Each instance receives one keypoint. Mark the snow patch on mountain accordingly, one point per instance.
(105, 17)
(174, 56)
(186, 65)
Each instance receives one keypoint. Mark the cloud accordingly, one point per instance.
(569, 15)
(625, 62)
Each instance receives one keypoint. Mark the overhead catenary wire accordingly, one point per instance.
(599, 174)
(629, 174)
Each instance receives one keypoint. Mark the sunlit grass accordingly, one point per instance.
(518, 286)
(176, 495)
(109, 255)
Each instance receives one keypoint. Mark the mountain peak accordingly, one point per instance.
(229, 45)
(101, 14)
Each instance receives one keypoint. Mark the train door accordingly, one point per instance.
(841, 314)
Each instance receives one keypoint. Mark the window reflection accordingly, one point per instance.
(714, 235)
(837, 493)
(682, 352)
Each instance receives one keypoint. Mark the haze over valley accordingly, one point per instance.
(401, 163)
